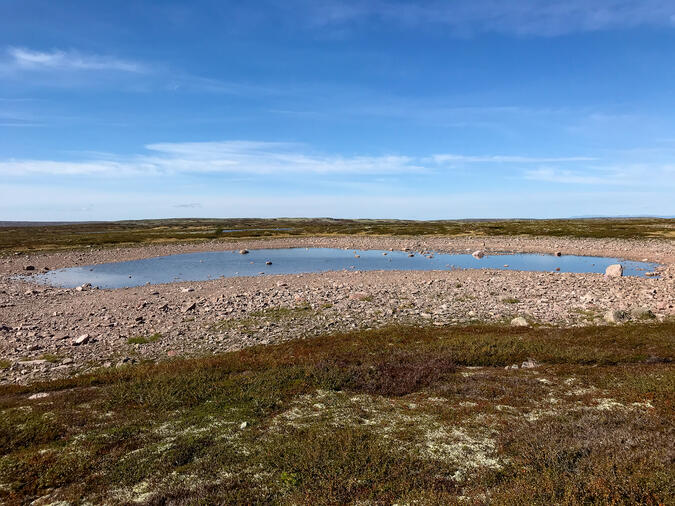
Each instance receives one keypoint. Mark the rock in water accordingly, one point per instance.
(614, 271)
(243, 251)
(478, 253)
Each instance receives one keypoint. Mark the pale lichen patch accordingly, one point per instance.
(462, 448)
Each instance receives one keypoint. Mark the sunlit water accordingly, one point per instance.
(211, 265)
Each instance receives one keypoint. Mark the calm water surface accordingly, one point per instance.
(211, 265)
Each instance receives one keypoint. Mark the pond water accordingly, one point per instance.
(212, 265)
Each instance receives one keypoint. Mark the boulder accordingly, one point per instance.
(614, 271)
(243, 251)
(615, 316)
(519, 321)
(642, 313)
(29, 268)
(478, 253)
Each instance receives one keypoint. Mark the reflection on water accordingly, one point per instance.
(203, 266)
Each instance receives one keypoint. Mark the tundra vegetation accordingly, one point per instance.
(47, 237)
(427, 415)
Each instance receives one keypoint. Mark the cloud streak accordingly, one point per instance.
(524, 17)
(228, 157)
(251, 161)
(24, 59)
(630, 175)
(443, 158)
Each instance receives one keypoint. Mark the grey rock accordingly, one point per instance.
(530, 363)
(39, 395)
(642, 313)
(615, 316)
(83, 339)
(519, 321)
(614, 271)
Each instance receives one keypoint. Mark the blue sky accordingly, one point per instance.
(381, 109)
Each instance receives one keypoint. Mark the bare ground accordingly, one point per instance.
(39, 325)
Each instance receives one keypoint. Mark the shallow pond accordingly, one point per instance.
(211, 265)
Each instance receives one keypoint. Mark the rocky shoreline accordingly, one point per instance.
(48, 332)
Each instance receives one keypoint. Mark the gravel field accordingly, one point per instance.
(48, 332)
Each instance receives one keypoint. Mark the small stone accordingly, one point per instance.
(32, 362)
(359, 296)
(268, 263)
(189, 307)
(39, 395)
(187, 290)
(29, 268)
(519, 321)
(243, 425)
(478, 254)
(558, 254)
(614, 271)
(83, 339)
(243, 251)
(530, 363)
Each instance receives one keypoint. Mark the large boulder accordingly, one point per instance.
(614, 271)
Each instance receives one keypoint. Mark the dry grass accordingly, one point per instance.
(14, 237)
(402, 414)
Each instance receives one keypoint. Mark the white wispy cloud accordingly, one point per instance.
(21, 58)
(644, 175)
(228, 157)
(73, 68)
(244, 159)
(443, 158)
(523, 17)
